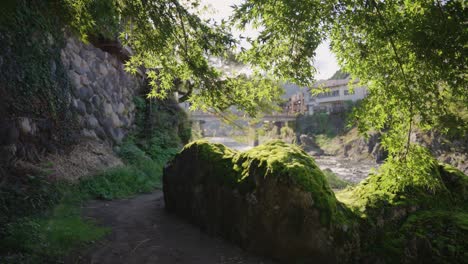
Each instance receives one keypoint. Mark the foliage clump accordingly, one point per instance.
(48, 237)
(40, 220)
(124, 181)
(384, 44)
(176, 46)
(161, 130)
(405, 212)
(407, 183)
(30, 194)
(339, 75)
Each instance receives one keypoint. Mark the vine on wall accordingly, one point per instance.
(32, 75)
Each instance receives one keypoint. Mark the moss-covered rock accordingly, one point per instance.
(290, 166)
(442, 186)
(272, 200)
(434, 236)
(456, 183)
(420, 220)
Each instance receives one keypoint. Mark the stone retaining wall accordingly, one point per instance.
(102, 92)
(96, 106)
(99, 104)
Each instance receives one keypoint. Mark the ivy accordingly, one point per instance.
(32, 74)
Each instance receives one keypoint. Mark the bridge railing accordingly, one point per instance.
(202, 115)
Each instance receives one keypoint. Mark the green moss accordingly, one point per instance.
(406, 217)
(436, 236)
(347, 197)
(289, 165)
(455, 181)
(283, 160)
(403, 210)
(384, 189)
(209, 150)
(402, 183)
(284, 163)
(216, 160)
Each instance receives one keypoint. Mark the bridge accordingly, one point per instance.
(277, 117)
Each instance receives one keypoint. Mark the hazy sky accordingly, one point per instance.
(325, 61)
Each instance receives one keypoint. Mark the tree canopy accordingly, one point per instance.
(174, 45)
(410, 54)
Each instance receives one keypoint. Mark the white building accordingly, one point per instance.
(334, 100)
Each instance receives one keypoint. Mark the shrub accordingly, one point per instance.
(131, 153)
(287, 132)
(29, 195)
(123, 181)
(48, 237)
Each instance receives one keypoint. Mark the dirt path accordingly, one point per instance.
(143, 232)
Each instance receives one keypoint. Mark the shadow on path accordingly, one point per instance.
(143, 232)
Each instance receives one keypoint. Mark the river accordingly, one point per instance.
(349, 170)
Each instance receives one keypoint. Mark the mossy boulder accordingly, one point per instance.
(275, 201)
(433, 236)
(383, 193)
(272, 200)
(420, 219)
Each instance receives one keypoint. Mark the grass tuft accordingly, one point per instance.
(123, 181)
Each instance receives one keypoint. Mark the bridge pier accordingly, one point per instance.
(254, 132)
(200, 125)
(255, 140)
(278, 125)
